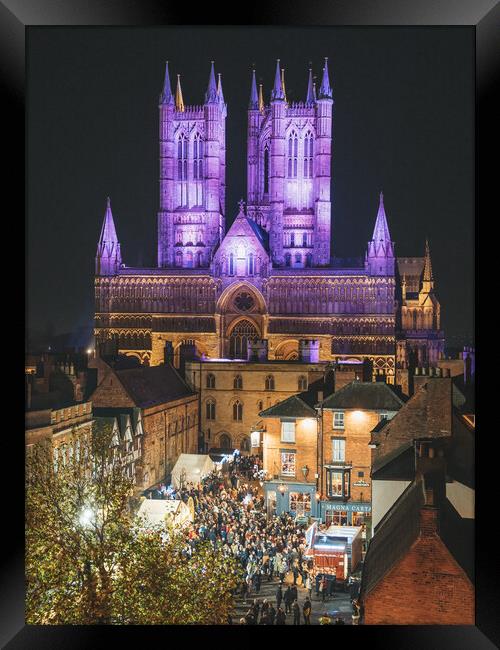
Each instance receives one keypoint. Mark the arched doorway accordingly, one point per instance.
(241, 333)
(225, 441)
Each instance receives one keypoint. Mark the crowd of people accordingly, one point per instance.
(232, 517)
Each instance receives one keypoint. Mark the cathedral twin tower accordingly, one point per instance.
(288, 179)
(271, 275)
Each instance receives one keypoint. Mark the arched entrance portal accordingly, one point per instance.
(225, 441)
(241, 333)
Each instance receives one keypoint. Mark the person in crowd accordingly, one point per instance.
(325, 619)
(296, 613)
(279, 596)
(271, 614)
(288, 598)
(280, 617)
(306, 610)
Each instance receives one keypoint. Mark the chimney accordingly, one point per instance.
(257, 350)
(187, 352)
(168, 353)
(429, 516)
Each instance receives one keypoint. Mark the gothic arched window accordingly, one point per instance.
(293, 145)
(309, 258)
(251, 264)
(269, 382)
(197, 157)
(308, 155)
(302, 383)
(178, 258)
(182, 158)
(243, 332)
(225, 441)
(231, 264)
(288, 259)
(238, 382)
(210, 409)
(266, 170)
(210, 381)
(238, 411)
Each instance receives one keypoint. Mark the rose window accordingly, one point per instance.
(244, 301)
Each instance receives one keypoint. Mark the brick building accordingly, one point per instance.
(423, 498)
(410, 576)
(317, 443)
(168, 409)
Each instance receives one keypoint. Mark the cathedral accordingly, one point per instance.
(271, 276)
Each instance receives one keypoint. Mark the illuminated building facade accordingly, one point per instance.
(272, 275)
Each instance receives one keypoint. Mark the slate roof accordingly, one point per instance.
(291, 407)
(262, 234)
(396, 532)
(154, 385)
(371, 396)
(400, 461)
(380, 425)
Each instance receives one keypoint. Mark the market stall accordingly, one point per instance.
(164, 512)
(191, 468)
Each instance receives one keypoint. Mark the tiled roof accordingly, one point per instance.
(427, 414)
(395, 534)
(292, 407)
(371, 396)
(154, 385)
(380, 425)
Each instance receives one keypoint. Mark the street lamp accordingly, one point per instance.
(86, 517)
(305, 471)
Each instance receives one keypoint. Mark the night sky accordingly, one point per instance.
(403, 123)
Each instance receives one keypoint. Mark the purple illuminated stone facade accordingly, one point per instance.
(272, 275)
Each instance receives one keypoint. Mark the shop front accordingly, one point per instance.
(352, 513)
(295, 498)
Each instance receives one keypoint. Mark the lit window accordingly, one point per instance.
(338, 420)
(338, 449)
(288, 431)
(288, 463)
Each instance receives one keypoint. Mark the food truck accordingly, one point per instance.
(335, 551)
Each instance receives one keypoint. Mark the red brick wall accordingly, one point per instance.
(427, 587)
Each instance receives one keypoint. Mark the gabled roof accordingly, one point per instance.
(397, 464)
(370, 396)
(148, 386)
(396, 532)
(291, 407)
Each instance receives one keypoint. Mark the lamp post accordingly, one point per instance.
(305, 472)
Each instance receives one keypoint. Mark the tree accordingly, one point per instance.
(88, 562)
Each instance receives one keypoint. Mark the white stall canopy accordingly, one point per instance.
(191, 468)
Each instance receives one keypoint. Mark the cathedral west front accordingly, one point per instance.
(271, 275)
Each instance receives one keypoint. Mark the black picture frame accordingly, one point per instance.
(15, 16)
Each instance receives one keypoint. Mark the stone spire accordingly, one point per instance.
(277, 92)
(211, 94)
(166, 96)
(380, 252)
(254, 100)
(310, 89)
(381, 230)
(179, 102)
(261, 99)
(325, 92)
(108, 257)
(427, 277)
